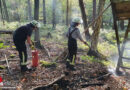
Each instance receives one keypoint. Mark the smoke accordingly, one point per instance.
(113, 63)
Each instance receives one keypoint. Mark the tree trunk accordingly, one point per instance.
(29, 10)
(122, 25)
(54, 14)
(84, 17)
(94, 11)
(94, 41)
(36, 9)
(6, 12)
(36, 17)
(1, 10)
(70, 12)
(44, 12)
(67, 12)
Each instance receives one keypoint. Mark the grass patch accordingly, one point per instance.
(126, 64)
(3, 46)
(2, 67)
(107, 49)
(47, 64)
(93, 59)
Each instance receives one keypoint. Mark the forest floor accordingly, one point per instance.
(87, 76)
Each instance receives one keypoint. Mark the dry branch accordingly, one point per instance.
(6, 32)
(48, 85)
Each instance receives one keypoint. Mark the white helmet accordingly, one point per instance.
(77, 20)
(34, 23)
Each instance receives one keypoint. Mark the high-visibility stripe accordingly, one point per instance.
(73, 60)
(68, 60)
(23, 61)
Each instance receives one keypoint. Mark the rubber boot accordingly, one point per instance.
(71, 67)
(24, 68)
(67, 64)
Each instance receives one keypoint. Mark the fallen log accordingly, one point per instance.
(48, 85)
(6, 32)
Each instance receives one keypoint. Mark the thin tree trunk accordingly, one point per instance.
(29, 10)
(94, 11)
(36, 17)
(6, 12)
(54, 14)
(44, 12)
(1, 10)
(94, 41)
(67, 11)
(84, 17)
(70, 12)
(122, 25)
(36, 9)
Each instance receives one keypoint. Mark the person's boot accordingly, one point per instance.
(24, 68)
(67, 64)
(71, 67)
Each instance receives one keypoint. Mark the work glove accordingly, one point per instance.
(32, 47)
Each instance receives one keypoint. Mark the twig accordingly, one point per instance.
(8, 65)
(6, 32)
(98, 78)
(91, 84)
(51, 83)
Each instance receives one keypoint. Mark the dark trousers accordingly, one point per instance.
(72, 47)
(22, 50)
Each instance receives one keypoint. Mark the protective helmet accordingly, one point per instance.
(77, 20)
(34, 23)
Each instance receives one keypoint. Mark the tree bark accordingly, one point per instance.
(70, 12)
(94, 11)
(36, 9)
(54, 14)
(84, 17)
(122, 25)
(44, 12)
(94, 41)
(36, 17)
(6, 12)
(1, 10)
(29, 10)
(67, 12)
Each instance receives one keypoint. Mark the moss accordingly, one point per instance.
(93, 59)
(12, 56)
(2, 67)
(47, 64)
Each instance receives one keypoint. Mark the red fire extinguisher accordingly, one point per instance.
(1, 82)
(35, 60)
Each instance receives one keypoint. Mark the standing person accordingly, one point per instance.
(72, 34)
(20, 36)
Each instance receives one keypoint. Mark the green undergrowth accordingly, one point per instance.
(3, 46)
(93, 59)
(2, 67)
(107, 49)
(126, 64)
(47, 63)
